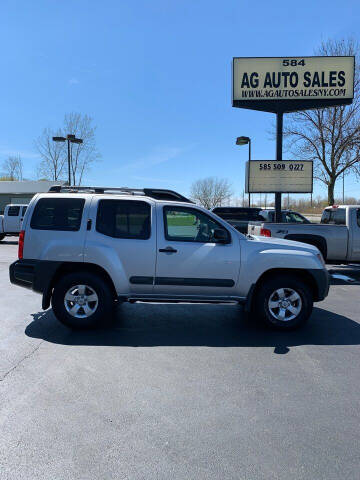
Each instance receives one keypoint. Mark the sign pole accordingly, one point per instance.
(279, 143)
(249, 167)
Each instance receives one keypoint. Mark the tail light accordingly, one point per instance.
(265, 232)
(21, 244)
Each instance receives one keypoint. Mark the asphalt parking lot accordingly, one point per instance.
(179, 392)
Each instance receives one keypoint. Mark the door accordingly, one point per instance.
(121, 238)
(354, 227)
(12, 218)
(189, 259)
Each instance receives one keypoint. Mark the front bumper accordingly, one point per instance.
(322, 280)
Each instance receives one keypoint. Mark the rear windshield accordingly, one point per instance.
(230, 214)
(335, 216)
(58, 214)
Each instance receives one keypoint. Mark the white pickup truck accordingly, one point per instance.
(10, 222)
(337, 236)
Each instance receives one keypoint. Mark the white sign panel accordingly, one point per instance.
(286, 176)
(289, 79)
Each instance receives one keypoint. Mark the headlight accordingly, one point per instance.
(321, 258)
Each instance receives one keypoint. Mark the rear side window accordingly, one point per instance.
(23, 210)
(13, 211)
(340, 216)
(58, 214)
(124, 219)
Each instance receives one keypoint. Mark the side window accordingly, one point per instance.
(13, 211)
(292, 217)
(23, 211)
(358, 216)
(189, 225)
(325, 218)
(124, 219)
(58, 214)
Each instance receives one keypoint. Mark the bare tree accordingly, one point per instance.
(13, 168)
(211, 192)
(330, 136)
(83, 154)
(53, 155)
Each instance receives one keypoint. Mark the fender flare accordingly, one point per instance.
(315, 240)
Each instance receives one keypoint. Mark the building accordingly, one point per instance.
(22, 192)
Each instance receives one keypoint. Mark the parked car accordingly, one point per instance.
(238, 217)
(287, 216)
(10, 222)
(337, 236)
(84, 249)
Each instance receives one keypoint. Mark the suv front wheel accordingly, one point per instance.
(283, 302)
(82, 300)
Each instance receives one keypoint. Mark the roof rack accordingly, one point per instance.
(156, 193)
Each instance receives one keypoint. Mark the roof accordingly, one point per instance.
(153, 193)
(342, 206)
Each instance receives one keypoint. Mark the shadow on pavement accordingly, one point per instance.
(153, 325)
(9, 242)
(345, 274)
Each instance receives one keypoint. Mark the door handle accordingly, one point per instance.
(168, 250)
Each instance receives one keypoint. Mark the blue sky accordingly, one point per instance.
(156, 78)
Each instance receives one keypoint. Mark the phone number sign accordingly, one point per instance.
(287, 84)
(286, 176)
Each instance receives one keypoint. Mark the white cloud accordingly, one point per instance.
(161, 155)
(74, 81)
(157, 180)
(8, 152)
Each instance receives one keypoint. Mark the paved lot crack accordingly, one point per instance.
(21, 361)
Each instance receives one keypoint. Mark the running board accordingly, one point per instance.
(182, 299)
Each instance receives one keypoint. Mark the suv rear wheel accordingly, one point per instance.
(284, 302)
(82, 300)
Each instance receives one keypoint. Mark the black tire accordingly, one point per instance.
(267, 290)
(2, 237)
(103, 311)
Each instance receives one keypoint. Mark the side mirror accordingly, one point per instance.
(220, 235)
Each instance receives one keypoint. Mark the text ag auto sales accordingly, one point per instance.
(286, 79)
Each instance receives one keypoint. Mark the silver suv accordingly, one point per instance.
(87, 248)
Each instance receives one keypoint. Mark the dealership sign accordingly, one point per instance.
(286, 176)
(287, 84)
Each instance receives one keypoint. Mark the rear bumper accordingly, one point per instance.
(22, 273)
(33, 274)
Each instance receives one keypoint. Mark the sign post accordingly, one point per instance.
(288, 84)
(279, 144)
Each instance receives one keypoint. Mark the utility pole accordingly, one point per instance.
(69, 139)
